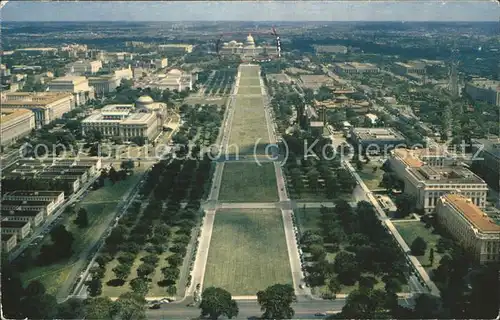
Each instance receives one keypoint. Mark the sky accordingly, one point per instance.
(455, 10)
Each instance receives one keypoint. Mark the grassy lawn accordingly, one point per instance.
(307, 218)
(249, 126)
(250, 71)
(248, 251)
(100, 205)
(249, 81)
(248, 182)
(410, 230)
(249, 90)
(370, 178)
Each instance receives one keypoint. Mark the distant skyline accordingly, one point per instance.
(251, 11)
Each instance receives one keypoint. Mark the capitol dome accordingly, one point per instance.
(250, 41)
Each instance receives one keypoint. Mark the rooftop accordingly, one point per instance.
(11, 114)
(377, 134)
(27, 203)
(13, 224)
(20, 213)
(472, 213)
(7, 237)
(29, 193)
(34, 98)
(446, 174)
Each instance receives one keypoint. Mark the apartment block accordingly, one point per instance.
(20, 228)
(470, 226)
(9, 241)
(34, 217)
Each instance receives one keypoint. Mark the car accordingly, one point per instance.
(155, 306)
(320, 314)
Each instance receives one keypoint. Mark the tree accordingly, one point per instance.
(130, 306)
(276, 301)
(405, 204)
(364, 304)
(94, 287)
(216, 302)
(145, 269)
(82, 219)
(418, 247)
(139, 286)
(121, 271)
(72, 308)
(431, 257)
(41, 305)
(427, 307)
(12, 292)
(334, 285)
(347, 268)
(98, 308)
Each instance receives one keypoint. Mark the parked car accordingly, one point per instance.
(155, 306)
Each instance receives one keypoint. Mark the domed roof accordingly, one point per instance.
(250, 41)
(175, 71)
(144, 100)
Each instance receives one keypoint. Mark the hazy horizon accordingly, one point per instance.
(196, 11)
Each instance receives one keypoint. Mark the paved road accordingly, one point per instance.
(248, 309)
(198, 273)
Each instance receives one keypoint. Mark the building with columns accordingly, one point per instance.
(428, 175)
(474, 229)
(142, 119)
(247, 49)
(77, 85)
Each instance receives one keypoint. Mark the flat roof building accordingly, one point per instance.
(104, 84)
(330, 49)
(411, 67)
(484, 90)
(15, 124)
(83, 67)
(428, 175)
(20, 228)
(46, 106)
(377, 139)
(466, 222)
(176, 48)
(9, 241)
(34, 217)
(355, 68)
(486, 160)
(76, 85)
